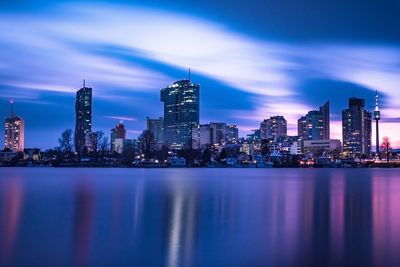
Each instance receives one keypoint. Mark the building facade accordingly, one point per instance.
(83, 114)
(273, 128)
(218, 132)
(315, 125)
(201, 136)
(323, 145)
(118, 136)
(232, 133)
(14, 133)
(156, 127)
(181, 113)
(357, 132)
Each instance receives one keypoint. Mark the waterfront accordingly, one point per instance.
(199, 217)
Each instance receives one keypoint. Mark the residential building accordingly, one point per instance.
(14, 133)
(315, 125)
(321, 146)
(273, 128)
(357, 129)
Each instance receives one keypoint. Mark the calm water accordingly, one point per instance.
(199, 217)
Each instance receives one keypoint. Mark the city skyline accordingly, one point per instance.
(247, 72)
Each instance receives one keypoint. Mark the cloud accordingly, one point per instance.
(121, 118)
(53, 50)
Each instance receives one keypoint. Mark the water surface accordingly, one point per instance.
(199, 217)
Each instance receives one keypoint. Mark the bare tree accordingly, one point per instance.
(386, 145)
(95, 141)
(65, 141)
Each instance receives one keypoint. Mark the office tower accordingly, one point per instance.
(14, 133)
(156, 127)
(377, 117)
(83, 113)
(118, 135)
(181, 113)
(232, 133)
(356, 124)
(201, 136)
(315, 125)
(273, 128)
(218, 132)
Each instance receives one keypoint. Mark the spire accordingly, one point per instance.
(189, 74)
(12, 107)
(376, 101)
(84, 83)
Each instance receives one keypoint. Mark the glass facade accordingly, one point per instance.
(181, 113)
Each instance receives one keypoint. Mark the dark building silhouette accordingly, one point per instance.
(232, 133)
(83, 113)
(156, 127)
(356, 125)
(315, 125)
(181, 113)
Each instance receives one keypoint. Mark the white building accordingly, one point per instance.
(325, 145)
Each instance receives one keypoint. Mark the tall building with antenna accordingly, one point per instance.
(14, 134)
(377, 117)
(181, 112)
(83, 115)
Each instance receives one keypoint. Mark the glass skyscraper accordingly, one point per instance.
(181, 113)
(83, 113)
(357, 129)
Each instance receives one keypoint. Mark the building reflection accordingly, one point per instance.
(12, 198)
(386, 221)
(83, 223)
(183, 216)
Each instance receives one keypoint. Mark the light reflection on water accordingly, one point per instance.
(199, 217)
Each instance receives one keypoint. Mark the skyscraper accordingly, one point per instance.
(156, 127)
(273, 128)
(14, 133)
(181, 113)
(315, 125)
(377, 117)
(83, 113)
(356, 123)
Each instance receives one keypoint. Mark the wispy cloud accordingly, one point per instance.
(120, 118)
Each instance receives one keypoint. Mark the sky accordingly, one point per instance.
(252, 60)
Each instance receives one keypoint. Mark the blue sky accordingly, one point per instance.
(252, 59)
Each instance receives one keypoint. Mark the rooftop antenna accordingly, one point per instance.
(12, 107)
(84, 83)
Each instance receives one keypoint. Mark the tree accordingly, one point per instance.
(147, 142)
(104, 144)
(386, 145)
(95, 141)
(206, 156)
(65, 141)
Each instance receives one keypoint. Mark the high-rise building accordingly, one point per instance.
(232, 133)
(83, 113)
(181, 113)
(14, 133)
(201, 136)
(156, 127)
(118, 136)
(218, 132)
(377, 117)
(356, 124)
(273, 128)
(315, 125)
